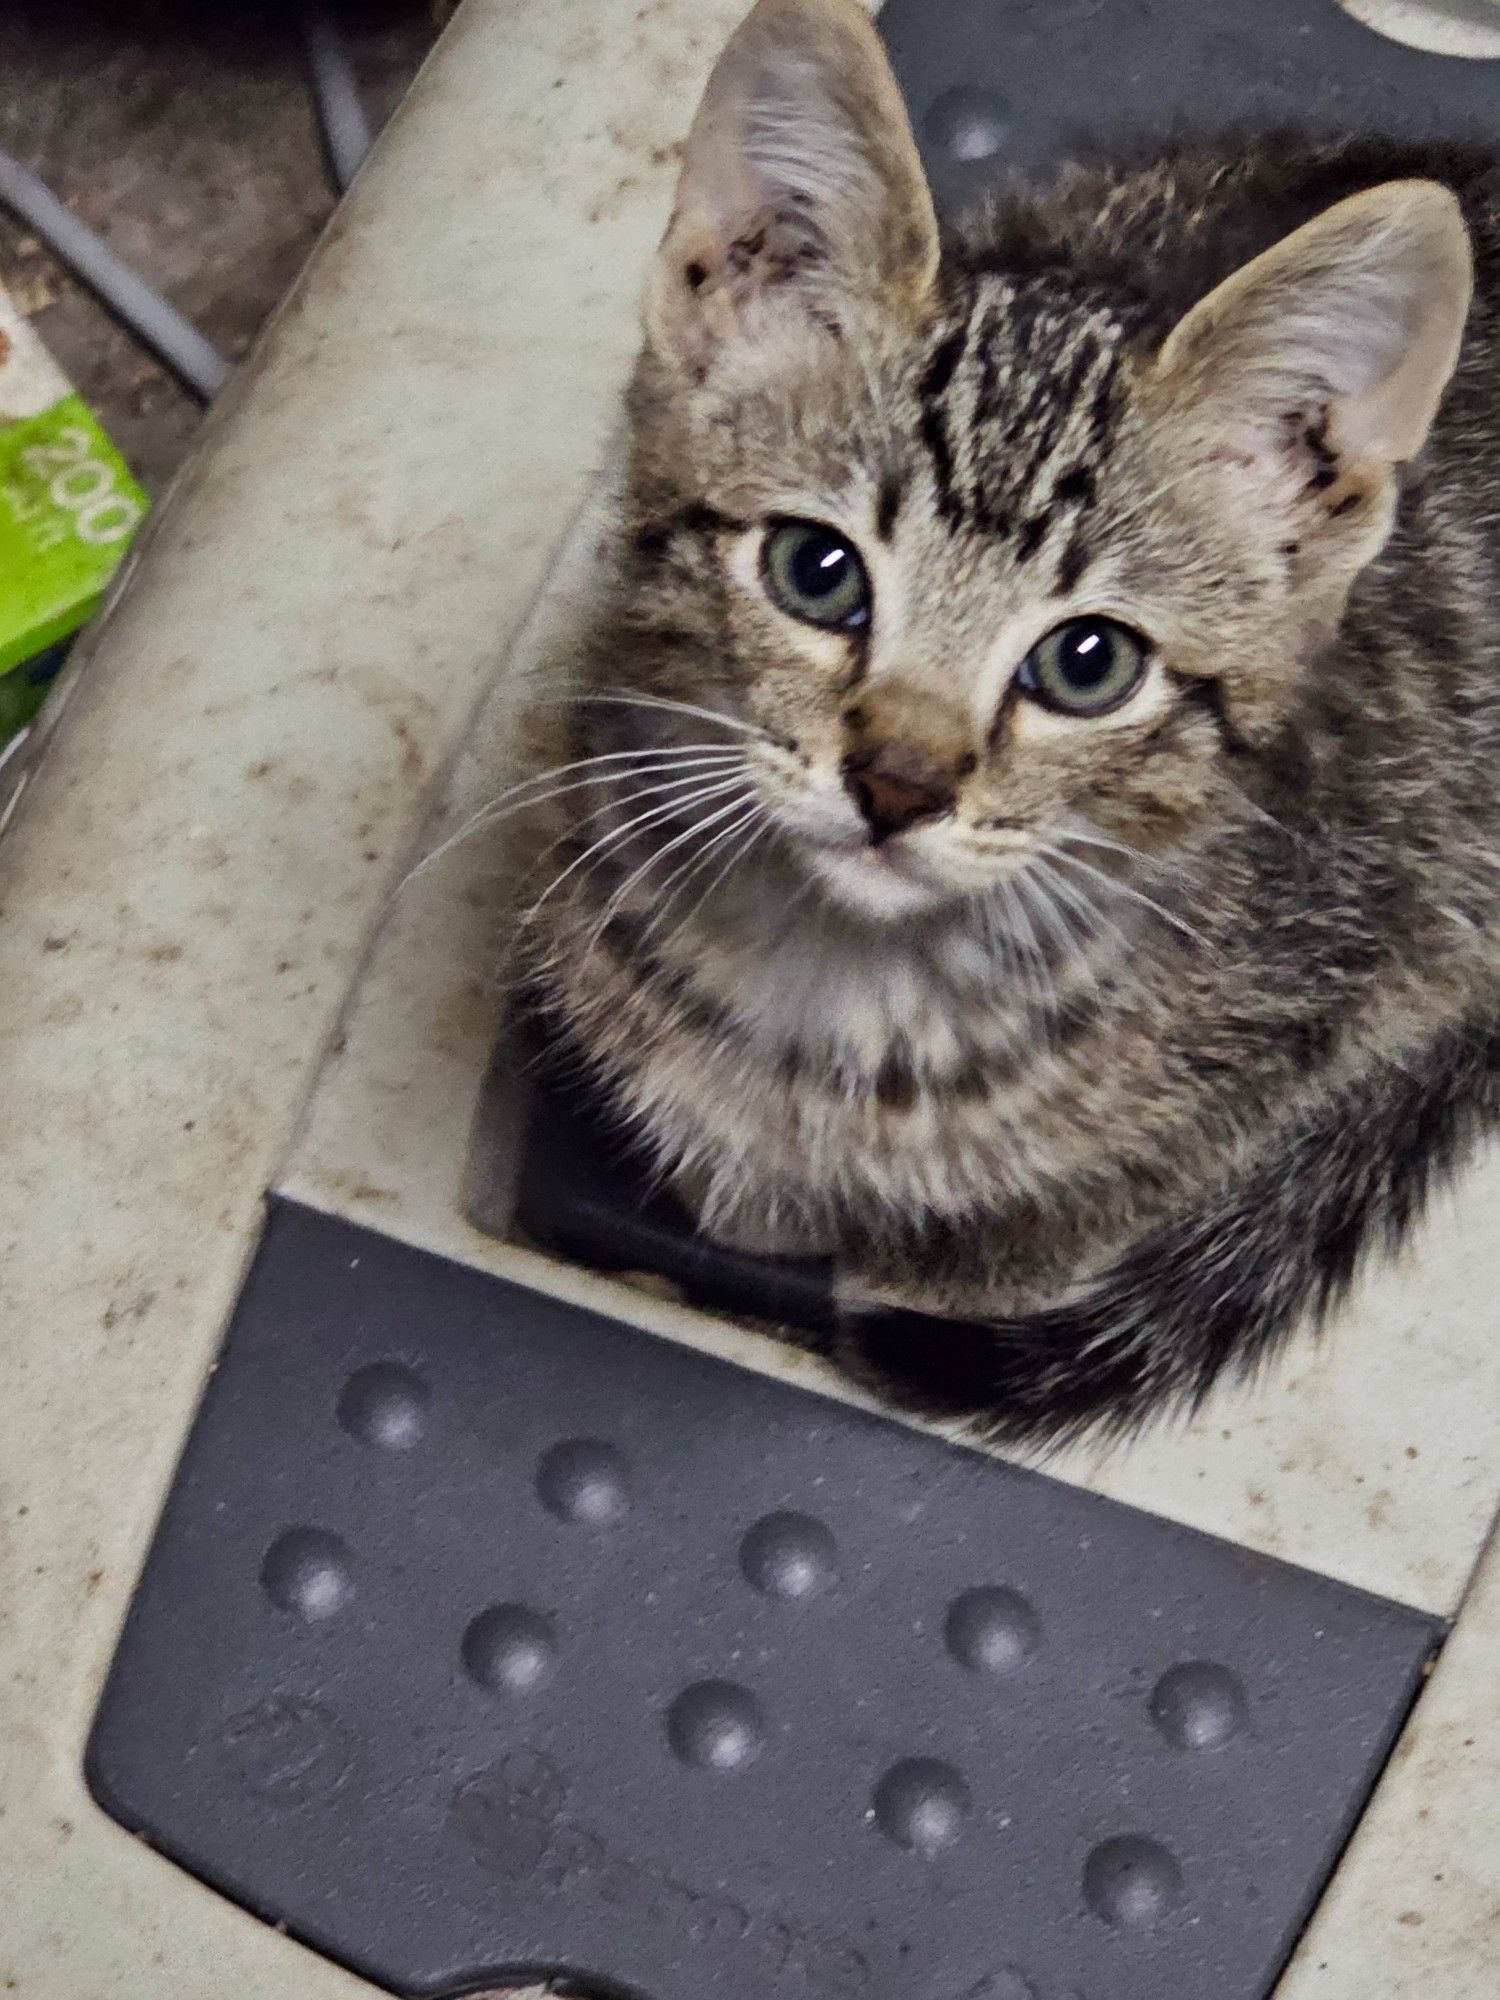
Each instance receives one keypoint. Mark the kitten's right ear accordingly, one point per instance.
(1351, 325)
(800, 178)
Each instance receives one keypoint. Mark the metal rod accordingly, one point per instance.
(196, 363)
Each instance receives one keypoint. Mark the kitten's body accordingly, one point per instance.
(1127, 1119)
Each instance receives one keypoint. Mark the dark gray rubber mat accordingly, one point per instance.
(483, 1635)
(1038, 80)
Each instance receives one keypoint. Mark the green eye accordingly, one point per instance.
(815, 575)
(1085, 667)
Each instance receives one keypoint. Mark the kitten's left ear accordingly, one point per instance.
(800, 179)
(1337, 343)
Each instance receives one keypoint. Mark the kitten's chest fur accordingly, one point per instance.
(811, 1081)
(855, 1073)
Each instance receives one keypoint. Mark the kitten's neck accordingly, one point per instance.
(799, 970)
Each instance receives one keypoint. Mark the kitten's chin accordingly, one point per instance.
(872, 884)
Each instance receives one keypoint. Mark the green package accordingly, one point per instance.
(68, 509)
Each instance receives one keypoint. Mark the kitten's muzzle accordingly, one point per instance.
(895, 785)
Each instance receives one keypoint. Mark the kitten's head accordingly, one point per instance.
(987, 563)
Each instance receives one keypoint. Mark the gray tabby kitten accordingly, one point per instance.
(1027, 821)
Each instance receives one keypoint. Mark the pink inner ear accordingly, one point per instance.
(716, 278)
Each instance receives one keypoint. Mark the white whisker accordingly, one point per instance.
(1077, 898)
(637, 793)
(1026, 952)
(758, 818)
(671, 707)
(1099, 840)
(1126, 889)
(606, 842)
(1053, 914)
(621, 895)
(687, 757)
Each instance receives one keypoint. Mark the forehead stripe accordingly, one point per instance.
(888, 505)
(931, 392)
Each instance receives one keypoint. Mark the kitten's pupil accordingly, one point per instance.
(817, 569)
(1084, 657)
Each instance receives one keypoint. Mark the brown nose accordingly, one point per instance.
(896, 784)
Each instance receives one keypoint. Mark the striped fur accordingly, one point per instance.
(1109, 1077)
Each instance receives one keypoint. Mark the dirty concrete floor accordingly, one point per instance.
(185, 135)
